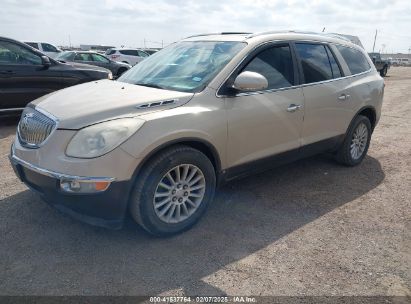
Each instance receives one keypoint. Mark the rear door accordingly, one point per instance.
(84, 58)
(23, 77)
(269, 122)
(328, 108)
(101, 61)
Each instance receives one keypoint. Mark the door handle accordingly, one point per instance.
(343, 97)
(293, 107)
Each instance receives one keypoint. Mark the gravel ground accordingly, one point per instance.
(309, 228)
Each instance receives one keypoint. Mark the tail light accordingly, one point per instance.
(114, 56)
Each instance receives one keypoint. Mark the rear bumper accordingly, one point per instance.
(106, 209)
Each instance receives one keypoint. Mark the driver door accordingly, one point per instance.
(266, 123)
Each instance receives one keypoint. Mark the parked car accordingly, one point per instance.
(93, 58)
(46, 48)
(151, 51)
(382, 65)
(130, 56)
(26, 74)
(404, 62)
(201, 112)
(394, 61)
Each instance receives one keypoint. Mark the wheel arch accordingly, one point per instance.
(367, 111)
(197, 143)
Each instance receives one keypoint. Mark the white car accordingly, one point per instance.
(46, 48)
(130, 56)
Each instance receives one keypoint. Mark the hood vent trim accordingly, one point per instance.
(157, 104)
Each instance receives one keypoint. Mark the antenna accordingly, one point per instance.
(375, 38)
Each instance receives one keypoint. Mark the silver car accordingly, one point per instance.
(203, 111)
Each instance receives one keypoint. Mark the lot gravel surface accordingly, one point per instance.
(308, 228)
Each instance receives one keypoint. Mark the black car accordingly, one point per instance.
(94, 58)
(26, 74)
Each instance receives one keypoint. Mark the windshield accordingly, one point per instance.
(186, 66)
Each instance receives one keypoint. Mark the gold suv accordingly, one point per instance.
(200, 112)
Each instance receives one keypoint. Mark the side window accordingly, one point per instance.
(99, 58)
(83, 57)
(276, 65)
(355, 59)
(334, 65)
(33, 45)
(125, 52)
(11, 53)
(142, 54)
(315, 62)
(49, 48)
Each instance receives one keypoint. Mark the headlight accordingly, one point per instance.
(110, 76)
(102, 138)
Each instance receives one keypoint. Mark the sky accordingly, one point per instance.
(151, 23)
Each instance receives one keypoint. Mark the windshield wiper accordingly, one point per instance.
(151, 85)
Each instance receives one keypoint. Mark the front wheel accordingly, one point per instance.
(356, 142)
(173, 191)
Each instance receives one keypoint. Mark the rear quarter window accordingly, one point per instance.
(355, 59)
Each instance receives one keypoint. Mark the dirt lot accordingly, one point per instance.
(309, 228)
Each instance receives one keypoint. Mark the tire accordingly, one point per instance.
(346, 154)
(384, 71)
(182, 160)
(121, 71)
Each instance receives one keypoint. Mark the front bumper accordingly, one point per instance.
(106, 209)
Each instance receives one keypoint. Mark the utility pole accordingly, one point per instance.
(70, 41)
(375, 38)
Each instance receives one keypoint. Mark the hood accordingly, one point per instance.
(82, 66)
(122, 64)
(92, 102)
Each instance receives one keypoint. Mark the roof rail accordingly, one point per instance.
(331, 35)
(222, 33)
(279, 32)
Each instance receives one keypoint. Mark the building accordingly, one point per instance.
(92, 47)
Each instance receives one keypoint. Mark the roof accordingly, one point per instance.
(273, 35)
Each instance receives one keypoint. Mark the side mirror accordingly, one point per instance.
(45, 61)
(250, 81)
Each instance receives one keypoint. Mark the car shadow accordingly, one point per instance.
(44, 252)
(8, 126)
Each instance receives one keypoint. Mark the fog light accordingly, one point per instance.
(78, 186)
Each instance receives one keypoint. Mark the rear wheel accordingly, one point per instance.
(384, 71)
(173, 191)
(356, 142)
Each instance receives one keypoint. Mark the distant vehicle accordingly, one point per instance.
(94, 58)
(26, 74)
(46, 48)
(404, 62)
(130, 56)
(382, 65)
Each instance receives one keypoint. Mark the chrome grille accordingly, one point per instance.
(34, 128)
